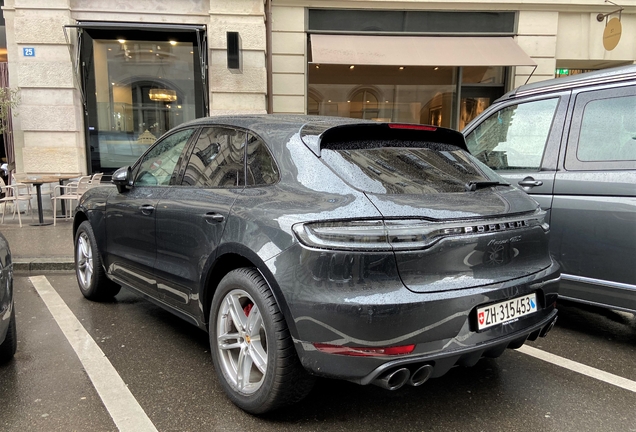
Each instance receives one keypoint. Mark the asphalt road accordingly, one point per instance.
(166, 365)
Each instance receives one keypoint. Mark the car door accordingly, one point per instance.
(191, 217)
(594, 208)
(520, 141)
(130, 215)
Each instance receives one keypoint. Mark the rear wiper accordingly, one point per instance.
(472, 186)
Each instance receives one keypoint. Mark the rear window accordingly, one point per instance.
(398, 168)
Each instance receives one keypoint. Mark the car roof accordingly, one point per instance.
(623, 73)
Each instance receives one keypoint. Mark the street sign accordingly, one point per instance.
(28, 52)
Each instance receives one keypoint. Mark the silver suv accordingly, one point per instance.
(571, 144)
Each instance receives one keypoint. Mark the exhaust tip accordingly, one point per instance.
(393, 380)
(421, 375)
(547, 328)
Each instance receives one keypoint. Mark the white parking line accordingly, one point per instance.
(591, 372)
(118, 400)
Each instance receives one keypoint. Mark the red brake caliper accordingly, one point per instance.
(247, 309)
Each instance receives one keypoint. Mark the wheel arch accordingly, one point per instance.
(234, 256)
(80, 217)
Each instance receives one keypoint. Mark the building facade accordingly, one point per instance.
(101, 80)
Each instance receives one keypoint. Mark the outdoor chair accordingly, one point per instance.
(22, 192)
(14, 194)
(96, 179)
(70, 192)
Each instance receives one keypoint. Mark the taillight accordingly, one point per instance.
(404, 234)
(364, 351)
(346, 235)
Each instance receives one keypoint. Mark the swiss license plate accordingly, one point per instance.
(505, 311)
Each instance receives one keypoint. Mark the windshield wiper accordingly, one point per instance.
(472, 186)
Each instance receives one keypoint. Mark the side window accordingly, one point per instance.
(157, 167)
(514, 137)
(218, 159)
(608, 130)
(261, 168)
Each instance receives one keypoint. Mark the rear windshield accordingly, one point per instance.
(382, 169)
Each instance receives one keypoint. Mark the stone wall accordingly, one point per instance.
(49, 128)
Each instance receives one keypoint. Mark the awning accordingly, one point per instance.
(417, 51)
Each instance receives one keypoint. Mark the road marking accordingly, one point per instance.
(118, 400)
(589, 371)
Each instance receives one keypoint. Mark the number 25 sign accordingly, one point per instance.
(28, 52)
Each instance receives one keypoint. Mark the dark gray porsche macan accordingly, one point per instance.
(313, 246)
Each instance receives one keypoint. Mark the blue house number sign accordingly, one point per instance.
(28, 52)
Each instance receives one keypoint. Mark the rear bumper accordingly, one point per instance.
(368, 312)
(442, 362)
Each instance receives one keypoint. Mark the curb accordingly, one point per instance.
(43, 264)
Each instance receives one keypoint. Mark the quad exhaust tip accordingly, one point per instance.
(393, 380)
(547, 328)
(421, 375)
(396, 378)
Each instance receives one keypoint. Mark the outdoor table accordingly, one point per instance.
(38, 180)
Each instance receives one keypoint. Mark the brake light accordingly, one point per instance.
(364, 351)
(412, 126)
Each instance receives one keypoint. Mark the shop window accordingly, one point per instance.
(385, 93)
(138, 85)
(364, 105)
(412, 21)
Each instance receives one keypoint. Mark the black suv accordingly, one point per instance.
(372, 252)
(571, 144)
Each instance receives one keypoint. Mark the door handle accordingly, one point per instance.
(530, 182)
(147, 209)
(214, 217)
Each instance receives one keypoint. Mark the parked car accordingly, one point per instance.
(8, 335)
(571, 144)
(312, 246)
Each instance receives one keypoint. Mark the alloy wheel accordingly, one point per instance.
(84, 260)
(242, 342)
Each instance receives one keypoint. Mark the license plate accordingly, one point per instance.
(506, 311)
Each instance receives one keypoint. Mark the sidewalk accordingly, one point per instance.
(35, 248)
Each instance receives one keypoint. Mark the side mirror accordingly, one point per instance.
(122, 178)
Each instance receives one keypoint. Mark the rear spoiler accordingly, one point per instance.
(317, 136)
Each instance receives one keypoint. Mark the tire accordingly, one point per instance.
(10, 344)
(91, 277)
(260, 342)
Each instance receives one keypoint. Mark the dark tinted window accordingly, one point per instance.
(158, 165)
(411, 21)
(261, 168)
(391, 170)
(217, 159)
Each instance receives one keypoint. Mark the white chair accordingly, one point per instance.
(96, 179)
(22, 192)
(70, 192)
(14, 194)
(8, 197)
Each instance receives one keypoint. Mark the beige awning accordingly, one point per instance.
(417, 51)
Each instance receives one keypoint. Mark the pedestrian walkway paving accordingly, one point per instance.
(39, 247)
